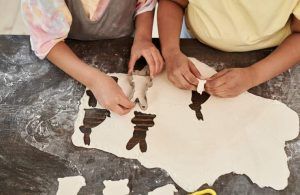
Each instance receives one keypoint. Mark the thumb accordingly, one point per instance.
(219, 74)
(125, 102)
(194, 70)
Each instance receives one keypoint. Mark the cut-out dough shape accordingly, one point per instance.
(92, 99)
(116, 187)
(197, 100)
(244, 135)
(70, 185)
(142, 123)
(165, 190)
(92, 118)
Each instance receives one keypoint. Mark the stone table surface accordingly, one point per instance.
(39, 104)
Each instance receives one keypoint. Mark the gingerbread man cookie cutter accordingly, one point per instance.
(140, 82)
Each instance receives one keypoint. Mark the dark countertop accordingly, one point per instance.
(39, 104)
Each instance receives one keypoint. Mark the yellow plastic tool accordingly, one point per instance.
(205, 192)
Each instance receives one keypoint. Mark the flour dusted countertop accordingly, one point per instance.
(39, 104)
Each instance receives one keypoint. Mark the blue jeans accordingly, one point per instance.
(184, 31)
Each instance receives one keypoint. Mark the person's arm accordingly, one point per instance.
(232, 82)
(143, 46)
(181, 71)
(170, 17)
(49, 23)
(283, 58)
(105, 89)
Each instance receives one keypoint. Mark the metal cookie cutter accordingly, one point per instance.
(140, 82)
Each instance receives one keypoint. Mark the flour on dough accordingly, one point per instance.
(200, 87)
(165, 190)
(70, 185)
(116, 187)
(244, 135)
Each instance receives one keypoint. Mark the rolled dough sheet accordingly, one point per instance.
(70, 185)
(244, 135)
(116, 187)
(165, 190)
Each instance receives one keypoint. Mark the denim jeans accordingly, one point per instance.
(184, 31)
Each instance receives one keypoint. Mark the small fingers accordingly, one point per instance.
(218, 81)
(125, 102)
(194, 70)
(132, 62)
(157, 62)
(120, 110)
(225, 94)
(191, 78)
(161, 61)
(215, 92)
(182, 83)
(150, 60)
(120, 105)
(219, 74)
(225, 91)
(213, 85)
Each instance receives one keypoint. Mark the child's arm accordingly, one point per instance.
(232, 82)
(181, 71)
(105, 89)
(49, 23)
(143, 46)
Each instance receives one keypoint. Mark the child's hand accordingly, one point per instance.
(109, 94)
(181, 71)
(230, 82)
(150, 53)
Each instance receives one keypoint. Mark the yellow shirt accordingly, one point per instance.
(241, 25)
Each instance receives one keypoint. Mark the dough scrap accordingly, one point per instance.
(116, 187)
(200, 88)
(244, 135)
(70, 185)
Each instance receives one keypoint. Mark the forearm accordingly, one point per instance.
(144, 26)
(170, 16)
(283, 58)
(64, 58)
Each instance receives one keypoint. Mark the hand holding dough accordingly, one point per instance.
(200, 87)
